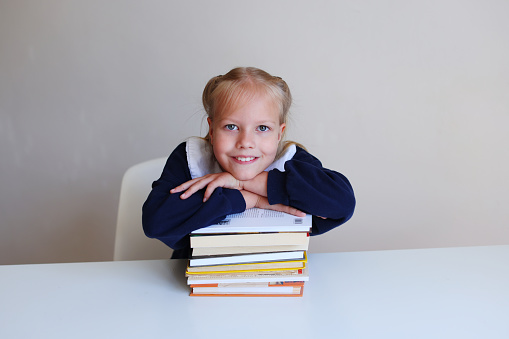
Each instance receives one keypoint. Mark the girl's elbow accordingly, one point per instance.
(170, 240)
(351, 203)
(149, 229)
(349, 207)
(152, 225)
(345, 208)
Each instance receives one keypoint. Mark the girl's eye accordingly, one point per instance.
(231, 127)
(263, 128)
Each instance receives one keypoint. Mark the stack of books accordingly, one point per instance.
(254, 253)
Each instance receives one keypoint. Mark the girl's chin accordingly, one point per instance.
(244, 176)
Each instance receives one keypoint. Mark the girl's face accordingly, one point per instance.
(245, 141)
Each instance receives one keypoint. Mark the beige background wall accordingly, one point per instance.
(409, 99)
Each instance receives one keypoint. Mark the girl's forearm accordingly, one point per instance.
(255, 200)
(250, 198)
(257, 185)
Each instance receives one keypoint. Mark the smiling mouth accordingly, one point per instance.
(244, 159)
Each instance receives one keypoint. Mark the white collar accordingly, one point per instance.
(201, 160)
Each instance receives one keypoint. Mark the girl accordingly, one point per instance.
(243, 162)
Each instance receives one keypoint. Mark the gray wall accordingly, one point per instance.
(409, 99)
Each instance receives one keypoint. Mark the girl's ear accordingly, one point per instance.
(209, 121)
(281, 131)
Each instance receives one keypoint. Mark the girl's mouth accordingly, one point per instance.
(245, 160)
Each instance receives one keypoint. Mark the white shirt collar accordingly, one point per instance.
(201, 160)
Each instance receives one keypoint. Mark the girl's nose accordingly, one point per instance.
(245, 140)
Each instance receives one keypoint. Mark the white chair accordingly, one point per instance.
(130, 241)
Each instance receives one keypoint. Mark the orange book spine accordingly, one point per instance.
(282, 283)
(249, 295)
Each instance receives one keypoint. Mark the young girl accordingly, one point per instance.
(243, 162)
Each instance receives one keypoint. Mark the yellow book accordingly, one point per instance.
(249, 267)
(218, 274)
(300, 275)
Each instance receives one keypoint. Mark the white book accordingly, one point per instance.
(249, 239)
(259, 220)
(245, 258)
(241, 290)
(201, 251)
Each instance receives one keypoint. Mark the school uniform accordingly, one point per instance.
(296, 179)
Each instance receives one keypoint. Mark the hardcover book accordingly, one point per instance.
(249, 267)
(250, 239)
(272, 289)
(203, 251)
(302, 275)
(245, 258)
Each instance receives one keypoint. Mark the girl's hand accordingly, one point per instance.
(211, 181)
(255, 200)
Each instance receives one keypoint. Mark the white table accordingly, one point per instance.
(433, 293)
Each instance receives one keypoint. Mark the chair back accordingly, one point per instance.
(130, 240)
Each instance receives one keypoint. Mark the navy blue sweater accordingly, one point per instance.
(305, 184)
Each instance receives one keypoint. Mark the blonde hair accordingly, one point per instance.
(228, 92)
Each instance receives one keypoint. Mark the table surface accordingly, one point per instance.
(428, 293)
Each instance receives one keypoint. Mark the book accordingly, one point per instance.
(249, 267)
(202, 251)
(253, 253)
(302, 275)
(245, 258)
(279, 272)
(250, 239)
(271, 289)
(259, 220)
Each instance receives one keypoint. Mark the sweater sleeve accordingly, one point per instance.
(307, 185)
(170, 219)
